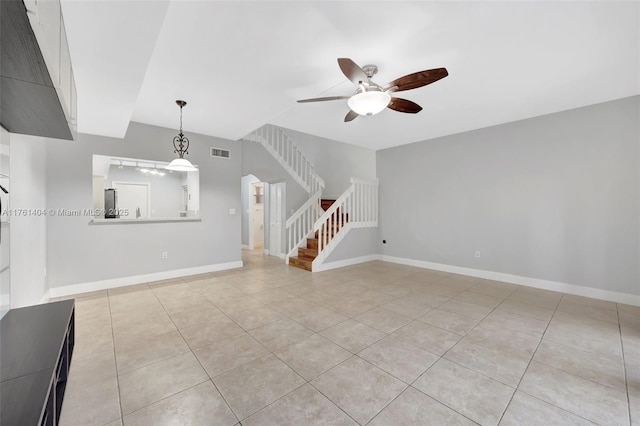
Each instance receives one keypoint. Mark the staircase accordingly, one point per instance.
(306, 255)
(319, 224)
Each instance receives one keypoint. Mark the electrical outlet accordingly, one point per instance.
(165, 255)
(477, 253)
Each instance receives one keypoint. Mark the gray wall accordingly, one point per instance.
(334, 161)
(28, 230)
(554, 197)
(357, 243)
(79, 252)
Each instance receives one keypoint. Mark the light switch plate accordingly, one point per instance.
(232, 211)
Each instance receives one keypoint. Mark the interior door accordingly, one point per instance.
(257, 216)
(276, 217)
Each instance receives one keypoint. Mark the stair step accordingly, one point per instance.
(330, 232)
(300, 263)
(334, 225)
(306, 253)
(326, 203)
(312, 243)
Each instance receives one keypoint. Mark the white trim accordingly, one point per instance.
(266, 252)
(45, 297)
(139, 279)
(245, 247)
(346, 262)
(596, 293)
(251, 244)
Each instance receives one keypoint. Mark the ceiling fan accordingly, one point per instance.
(371, 98)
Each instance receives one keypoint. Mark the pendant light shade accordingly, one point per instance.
(181, 165)
(181, 145)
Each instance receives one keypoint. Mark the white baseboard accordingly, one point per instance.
(245, 247)
(140, 279)
(595, 293)
(45, 297)
(266, 251)
(346, 262)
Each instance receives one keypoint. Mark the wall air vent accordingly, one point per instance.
(217, 152)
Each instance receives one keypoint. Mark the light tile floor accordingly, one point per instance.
(376, 343)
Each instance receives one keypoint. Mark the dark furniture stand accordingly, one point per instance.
(36, 345)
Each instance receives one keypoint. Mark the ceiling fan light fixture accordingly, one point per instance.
(370, 102)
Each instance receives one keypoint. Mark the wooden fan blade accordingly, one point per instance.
(352, 71)
(403, 105)
(351, 115)
(328, 98)
(417, 79)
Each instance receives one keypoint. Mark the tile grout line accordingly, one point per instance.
(624, 365)
(468, 368)
(531, 360)
(164, 359)
(210, 379)
(261, 344)
(529, 364)
(115, 358)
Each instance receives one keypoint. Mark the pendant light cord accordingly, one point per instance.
(181, 119)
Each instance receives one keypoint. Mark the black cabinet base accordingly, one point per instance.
(36, 347)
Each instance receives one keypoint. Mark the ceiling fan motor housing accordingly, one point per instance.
(370, 70)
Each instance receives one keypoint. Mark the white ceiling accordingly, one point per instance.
(241, 64)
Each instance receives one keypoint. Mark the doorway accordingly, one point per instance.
(256, 217)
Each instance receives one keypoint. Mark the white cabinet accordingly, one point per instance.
(45, 17)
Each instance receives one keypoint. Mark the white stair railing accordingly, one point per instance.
(357, 207)
(282, 148)
(300, 224)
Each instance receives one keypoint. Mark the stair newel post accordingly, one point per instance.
(361, 200)
(354, 196)
(362, 205)
(367, 206)
(370, 200)
(363, 195)
(291, 231)
(373, 202)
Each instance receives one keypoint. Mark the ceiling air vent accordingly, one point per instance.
(217, 152)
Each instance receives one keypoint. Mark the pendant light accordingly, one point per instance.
(181, 145)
